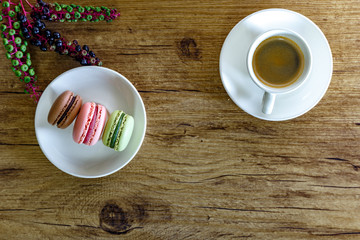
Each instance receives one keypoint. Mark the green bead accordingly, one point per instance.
(19, 54)
(13, 69)
(17, 73)
(23, 48)
(1, 18)
(87, 8)
(17, 9)
(28, 56)
(11, 13)
(63, 5)
(6, 4)
(9, 48)
(83, 20)
(89, 17)
(24, 67)
(58, 8)
(28, 62)
(5, 41)
(18, 40)
(81, 9)
(15, 62)
(67, 16)
(97, 9)
(73, 5)
(96, 20)
(101, 17)
(12, 32)
(16, 25)
(62, 20)
(53, 16)
(31, 72)
(74, 20)
(8, 56)
(3, 35)
(69, 9)
(108, 13)
(27, 79)
(25, 42)
(3, 27)
(104, 8)
(77, 15)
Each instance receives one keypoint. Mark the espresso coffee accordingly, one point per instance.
(278, 62)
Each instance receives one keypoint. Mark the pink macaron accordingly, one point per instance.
(89, 123)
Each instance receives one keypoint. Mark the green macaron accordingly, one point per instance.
(118, 130)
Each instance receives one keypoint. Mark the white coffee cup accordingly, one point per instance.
(271, 92)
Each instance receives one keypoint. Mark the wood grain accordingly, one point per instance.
(206, 170)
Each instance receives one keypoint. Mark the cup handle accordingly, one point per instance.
(268, 102)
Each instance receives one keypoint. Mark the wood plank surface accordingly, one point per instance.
(206, 169)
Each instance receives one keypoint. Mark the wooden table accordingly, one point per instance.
(206, 169)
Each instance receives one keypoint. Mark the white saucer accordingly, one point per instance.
(236, 79)
(100, 85)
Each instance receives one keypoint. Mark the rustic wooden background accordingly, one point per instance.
(206, 169)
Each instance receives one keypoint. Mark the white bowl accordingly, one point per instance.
(103, 86)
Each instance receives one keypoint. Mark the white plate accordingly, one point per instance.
(105, 87)
(237, 81)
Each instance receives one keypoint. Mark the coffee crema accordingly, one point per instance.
(278, 62)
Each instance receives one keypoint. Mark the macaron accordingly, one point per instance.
(64, 110)
(89, 123)
(118, 130)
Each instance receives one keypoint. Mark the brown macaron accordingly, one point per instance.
(64, 109)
